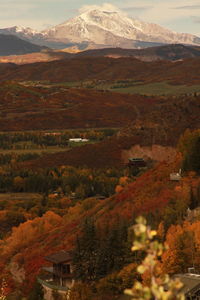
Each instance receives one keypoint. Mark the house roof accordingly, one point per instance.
(59, 257)
(191, 283)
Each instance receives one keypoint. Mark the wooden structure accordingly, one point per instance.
(61, 269)
(136, 162)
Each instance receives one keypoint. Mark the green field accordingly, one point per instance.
(16, 202)
(132, 87)
(159, 88)
(38, 151)
(129, 86)
(9, 198)
(20, 144)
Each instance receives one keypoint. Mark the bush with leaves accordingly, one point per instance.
(160, 286)
(2, 290)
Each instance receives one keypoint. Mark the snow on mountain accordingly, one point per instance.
(23, 32)
(32, 36)
(109, 27)
(99, 25)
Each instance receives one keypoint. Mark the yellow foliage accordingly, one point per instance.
(158, 286)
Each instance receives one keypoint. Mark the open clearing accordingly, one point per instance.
(132, 87)
(38, 151)
(160, 88)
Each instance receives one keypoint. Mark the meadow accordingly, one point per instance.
(163, 88)
(157, 88)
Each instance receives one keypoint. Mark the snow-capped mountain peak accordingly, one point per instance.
(23, 32)
(114, 21)
(106, 26)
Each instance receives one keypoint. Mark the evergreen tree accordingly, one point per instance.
(192, 157)
(97, 255)
(85, 254)
(37, 292)
(189, 145)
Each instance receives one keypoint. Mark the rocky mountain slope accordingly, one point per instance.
(103, 28)
(114, 28)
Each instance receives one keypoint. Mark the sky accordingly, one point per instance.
(178, 15)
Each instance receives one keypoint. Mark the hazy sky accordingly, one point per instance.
(178, 15)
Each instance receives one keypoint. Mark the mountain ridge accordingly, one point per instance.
(10, 45)
(119, 25)
(103, 27)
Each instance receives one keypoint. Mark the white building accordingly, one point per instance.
(78, 140)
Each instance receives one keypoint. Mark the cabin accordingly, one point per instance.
(191, 285)
(58, 276)
(136, 162)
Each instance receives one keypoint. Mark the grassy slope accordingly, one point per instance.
(133, 87)
(160, 88)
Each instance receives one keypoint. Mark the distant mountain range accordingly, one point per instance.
(99, 28)
(10, 45)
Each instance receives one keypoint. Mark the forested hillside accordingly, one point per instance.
(81, 156)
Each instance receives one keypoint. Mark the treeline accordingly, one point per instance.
(14, 157)
(54, 189)
(100, 252)
(71, 181)
(189, 145)
(39, 139)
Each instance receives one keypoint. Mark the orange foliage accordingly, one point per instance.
(118, 189)
(150, 193)
(184, 247)
(28, 232)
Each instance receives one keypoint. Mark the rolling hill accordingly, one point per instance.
(33, 57)
(105, 68)
(153, 132)
(168, 52)
(12, 45)
(29, 108)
